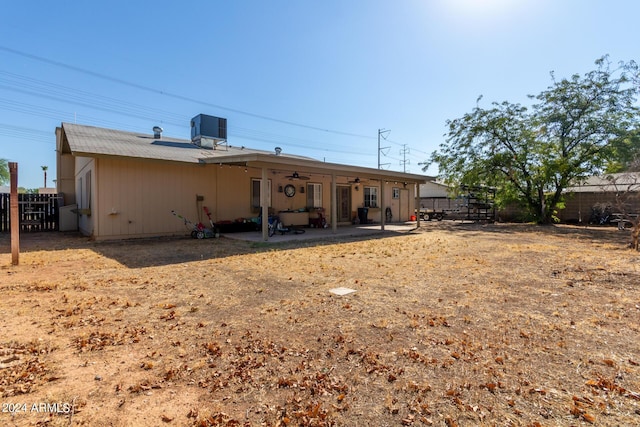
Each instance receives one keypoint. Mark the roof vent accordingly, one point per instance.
(278, 151)
(157, 132)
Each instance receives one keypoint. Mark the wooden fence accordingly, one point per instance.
(37, 212)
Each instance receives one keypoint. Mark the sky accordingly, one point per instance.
(316, 78)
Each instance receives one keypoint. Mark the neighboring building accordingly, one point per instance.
(435, 198)
(126, 184)
(620, 191)
(434, 189)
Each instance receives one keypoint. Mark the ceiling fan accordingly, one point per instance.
(356, 181)
(296, 176)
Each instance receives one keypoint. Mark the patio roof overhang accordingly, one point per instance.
(310, 166)
(306, 166)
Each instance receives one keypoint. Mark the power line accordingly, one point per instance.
(61, 93)
(65, 94)
(173, 95)
(243, 133)
(25, 133)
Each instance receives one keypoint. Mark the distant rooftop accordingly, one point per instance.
(613, 182)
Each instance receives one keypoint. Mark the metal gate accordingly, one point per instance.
(37, 212)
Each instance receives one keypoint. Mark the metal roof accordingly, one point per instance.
(93, 141)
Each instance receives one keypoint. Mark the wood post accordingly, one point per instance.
(14, 217)
(334, 203)
(383, 210)
(264, 203)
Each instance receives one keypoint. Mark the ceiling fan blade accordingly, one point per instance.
(296, 176)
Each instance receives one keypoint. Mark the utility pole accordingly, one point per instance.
(404, 162)
(382, 133)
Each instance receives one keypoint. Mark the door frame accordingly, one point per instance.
(343, 195)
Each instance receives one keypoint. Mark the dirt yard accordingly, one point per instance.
(450, 325)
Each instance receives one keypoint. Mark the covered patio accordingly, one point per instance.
(292, 169)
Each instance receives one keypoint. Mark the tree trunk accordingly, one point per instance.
(542, 215)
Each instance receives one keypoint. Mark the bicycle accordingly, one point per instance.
(280, 228)
(600, 214)
(276, 226)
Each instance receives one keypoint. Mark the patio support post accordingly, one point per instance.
(416, 203)
(264, 204)
(383, 214)
(334, 203)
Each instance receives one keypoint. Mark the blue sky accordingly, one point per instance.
(317, 78)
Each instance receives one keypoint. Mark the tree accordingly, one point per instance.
(23, 190)
(532, 154)
(626, 152)
(4, 171)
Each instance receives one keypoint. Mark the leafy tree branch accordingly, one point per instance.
(577, 127)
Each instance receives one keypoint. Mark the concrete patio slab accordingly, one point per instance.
(326, 233)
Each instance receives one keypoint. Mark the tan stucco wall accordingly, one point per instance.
(134, 198)
(84, 193)
(65, 171)
(65, 178)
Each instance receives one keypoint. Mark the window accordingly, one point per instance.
(371, 197)
(314, 195)
(255, 194)
(395, 192)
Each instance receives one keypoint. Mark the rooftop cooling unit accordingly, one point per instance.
(209, 131)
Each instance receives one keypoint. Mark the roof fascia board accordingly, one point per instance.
(272, 161)
(118, 156)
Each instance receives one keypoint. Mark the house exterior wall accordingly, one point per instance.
(65, 180)
(130, 198)
(84, 190)
(65, 171)
(232, 192)
(135, 198)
